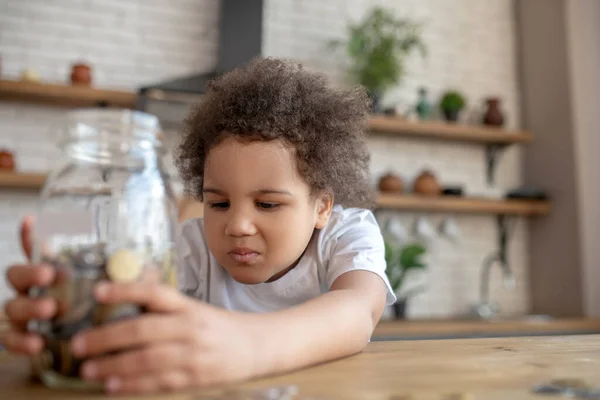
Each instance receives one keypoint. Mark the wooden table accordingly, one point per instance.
(444, 329)
(487, 369)
(452, 329)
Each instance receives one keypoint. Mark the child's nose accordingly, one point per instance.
(240, 224)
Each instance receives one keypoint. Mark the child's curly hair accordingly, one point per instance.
(271, 99)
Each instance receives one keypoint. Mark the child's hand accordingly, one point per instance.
(22, 308)
(180, 343)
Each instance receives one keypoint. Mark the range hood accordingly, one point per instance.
(240, 40)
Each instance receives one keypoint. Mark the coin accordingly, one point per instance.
(105, 313)
(124, 266)
(62, 359)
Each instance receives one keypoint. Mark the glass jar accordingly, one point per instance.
(106, 212)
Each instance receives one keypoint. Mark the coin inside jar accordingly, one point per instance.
(78, 272)
(124, 266)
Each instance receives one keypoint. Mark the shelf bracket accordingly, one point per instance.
(492, 152)
(502, 239)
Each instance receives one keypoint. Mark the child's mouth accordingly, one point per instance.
(244, 256)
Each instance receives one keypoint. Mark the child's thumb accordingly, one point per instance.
(27, 235)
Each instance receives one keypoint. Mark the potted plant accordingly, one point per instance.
(377, 47)
(451, 104)
(400, 261)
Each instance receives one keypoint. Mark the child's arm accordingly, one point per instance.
(336, 324)
(185, 343)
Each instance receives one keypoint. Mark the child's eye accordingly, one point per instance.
(267, 206)
(222, 205)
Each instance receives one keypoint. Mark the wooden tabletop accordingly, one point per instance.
(444, 329)
(467, 369)
(454, 329)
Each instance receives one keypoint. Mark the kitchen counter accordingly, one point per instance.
(487, 369)
(454, 329)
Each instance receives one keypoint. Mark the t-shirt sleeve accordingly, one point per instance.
(355, 243)
(192, 259)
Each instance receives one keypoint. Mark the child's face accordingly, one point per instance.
(258, 212)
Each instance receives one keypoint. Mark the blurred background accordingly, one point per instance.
(483, 139)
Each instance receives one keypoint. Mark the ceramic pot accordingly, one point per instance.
(81, 74)
(400, 309)
(390, 183)
(451, 115)
(427, 184)
(424, 108)
(376, 107)
(7, 161)
(493, 115)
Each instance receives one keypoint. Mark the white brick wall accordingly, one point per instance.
(132, 42)
(127, 42)
(471, 47)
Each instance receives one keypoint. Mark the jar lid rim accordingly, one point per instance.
(93, 122)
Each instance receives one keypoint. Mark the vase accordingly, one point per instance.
(375, 102)
(426, 184)
(493, 115)
(424, 107)
(81, 74)
(451, 115)
(7, 160)
(391, 183)
(400, 309)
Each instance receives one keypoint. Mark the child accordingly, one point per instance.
(285, 270)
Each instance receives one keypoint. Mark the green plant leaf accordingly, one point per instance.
(396, 283)
(409, 257)
(377, 47)
(452, 100)
(389, 253)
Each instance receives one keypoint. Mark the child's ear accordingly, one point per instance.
(324, 207)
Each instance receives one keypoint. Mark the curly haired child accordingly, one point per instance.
(286, 268)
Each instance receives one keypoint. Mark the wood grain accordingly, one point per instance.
(193, 209)
(64, 95)
(21, 180)
(514, 327)
(447, 131)
(463, 205)
(474, 368)
(77, 95)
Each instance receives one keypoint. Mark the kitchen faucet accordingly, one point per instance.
(486, 309)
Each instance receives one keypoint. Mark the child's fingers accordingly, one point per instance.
(23, 277)
(140, 331)
(23, 343)
(155, 297)
(166, 381)
(22, 309)
(137, 362)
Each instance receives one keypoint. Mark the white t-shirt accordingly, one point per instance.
(351, 241)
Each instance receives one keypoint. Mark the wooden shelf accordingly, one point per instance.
(447, 131)
(33, 181)
(192, 209)
(64, 95)
(463, 205)
(21, 180)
